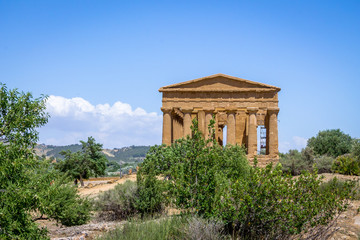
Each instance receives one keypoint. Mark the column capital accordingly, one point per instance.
(209, 109)
(187, 110)
(219, 109)
(273, 110)
(231, 110)
(240, 111)
(163, 109)
(252, 109)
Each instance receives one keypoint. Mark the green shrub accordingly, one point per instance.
(355, 151)
(169, 228)
(269, 205)
(341, 188)
(118, 203)
(176, 227)
(65, 205)
(346, 165)
(293, 162)
(193, 166)
(254, 203)
(150, 199)
(324, 164)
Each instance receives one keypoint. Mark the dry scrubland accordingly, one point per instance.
(96, 227)
(347, 227)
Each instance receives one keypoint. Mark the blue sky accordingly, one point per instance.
(102, 62)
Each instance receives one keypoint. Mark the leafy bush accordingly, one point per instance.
(355, 151)
(324, 164)
(268, 205)
(176, 227)
(65, 205)
(118, 203)
(294, 162)
(56, 197)
(254, 203)
(128, 199)
(340, 187)
(169, 228)
(193, 166)
(150, 194)
(346, 165)
(331, 142)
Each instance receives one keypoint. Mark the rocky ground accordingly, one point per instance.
(347, 227)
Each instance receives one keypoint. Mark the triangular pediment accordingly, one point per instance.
(219, 82)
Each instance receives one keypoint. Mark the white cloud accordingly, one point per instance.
(300, 142)
(295, 143)
(114, 125)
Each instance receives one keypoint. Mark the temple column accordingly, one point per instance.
(273, 132)
(252, 137)
(208, 117)
(220, 135)
(201, 122)
(240, 127)
(230, 136)
(187, 122)
(166, 137)
(177, 128)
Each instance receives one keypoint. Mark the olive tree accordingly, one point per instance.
(80, 165)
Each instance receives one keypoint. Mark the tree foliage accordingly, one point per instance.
(294, 162)
(90, 161)
(254, 203)
(27, 183)
(266, 204)
(331, 142)
(20, 115)
(193, 167)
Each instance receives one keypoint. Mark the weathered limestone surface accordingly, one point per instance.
(239, 104)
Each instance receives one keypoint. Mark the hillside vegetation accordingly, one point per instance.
(120, 155)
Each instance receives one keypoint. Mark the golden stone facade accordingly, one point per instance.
(240, 105)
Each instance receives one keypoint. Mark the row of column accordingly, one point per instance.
(205, 115)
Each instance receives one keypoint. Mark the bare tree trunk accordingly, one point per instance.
(81, 181)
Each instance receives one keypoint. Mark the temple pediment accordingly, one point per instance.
(219, 83)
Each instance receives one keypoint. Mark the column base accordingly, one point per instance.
(263, 160)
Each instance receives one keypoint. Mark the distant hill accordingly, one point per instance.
(121, 155)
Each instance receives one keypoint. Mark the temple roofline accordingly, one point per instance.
(175, 87)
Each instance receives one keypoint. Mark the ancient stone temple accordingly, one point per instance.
(247, 110)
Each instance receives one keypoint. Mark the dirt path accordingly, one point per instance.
(97, 187)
